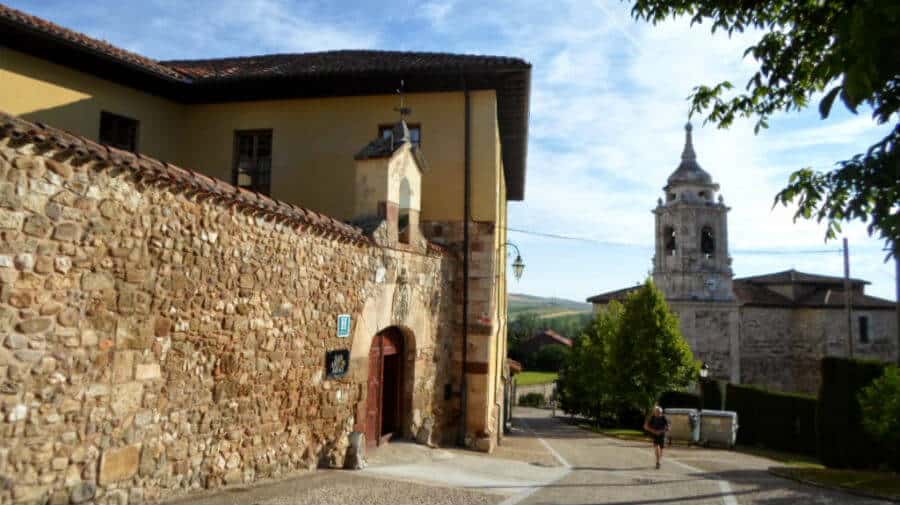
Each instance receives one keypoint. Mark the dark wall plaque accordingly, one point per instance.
(337, 363)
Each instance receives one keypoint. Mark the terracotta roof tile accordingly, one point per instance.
(42, 25)
(178, 177)
(336, 62)
(793, 276)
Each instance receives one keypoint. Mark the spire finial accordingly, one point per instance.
(688, 153)
(402, 109)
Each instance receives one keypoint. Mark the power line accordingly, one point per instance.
(761, 252)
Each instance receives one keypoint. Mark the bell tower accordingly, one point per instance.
(692, 261)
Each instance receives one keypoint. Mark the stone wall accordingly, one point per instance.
(767, 347)
(782, 348)
(163, 333)
(713, 332)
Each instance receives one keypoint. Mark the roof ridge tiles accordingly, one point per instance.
(178, 177)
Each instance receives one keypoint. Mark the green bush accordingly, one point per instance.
(782, 421)
(880, 403)
(551, 358)
(713, 394)
(680, 400)
(532, 400)
(842, 441)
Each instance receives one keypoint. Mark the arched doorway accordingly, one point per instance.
(384, 401)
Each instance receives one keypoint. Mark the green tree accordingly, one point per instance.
(649, 355)
(584, 385)
(880, 403)
(847, 49)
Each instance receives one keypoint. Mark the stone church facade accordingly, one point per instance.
(769, 330)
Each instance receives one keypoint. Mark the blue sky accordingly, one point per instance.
(607, 113)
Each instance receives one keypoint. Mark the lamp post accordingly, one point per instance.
(518, 265)
(704, 373)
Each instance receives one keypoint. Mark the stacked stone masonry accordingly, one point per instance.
(164, 333)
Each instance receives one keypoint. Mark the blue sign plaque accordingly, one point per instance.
(343, 325)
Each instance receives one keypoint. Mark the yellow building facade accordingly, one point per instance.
(470, 113)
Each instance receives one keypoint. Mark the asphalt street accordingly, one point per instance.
(545, 460)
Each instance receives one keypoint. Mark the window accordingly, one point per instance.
(118, 131)
(864, 329)
(253, 160)
(670, 197)
(707, 241)
(415, 133)
(669, 238)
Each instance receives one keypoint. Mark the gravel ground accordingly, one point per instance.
(327, 487)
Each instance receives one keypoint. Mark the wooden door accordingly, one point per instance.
(373, 397)
(384, 386)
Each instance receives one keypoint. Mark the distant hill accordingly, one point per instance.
(545, 307)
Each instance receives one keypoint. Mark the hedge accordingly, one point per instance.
(783, 421)
(714, 393)
(532, 400)
(677, 399)
(842, 441)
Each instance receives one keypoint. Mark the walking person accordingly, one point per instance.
(658, 425)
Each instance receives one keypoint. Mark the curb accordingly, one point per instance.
(776, 471)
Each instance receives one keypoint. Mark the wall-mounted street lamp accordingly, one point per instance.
(704, 373)
(518, 265)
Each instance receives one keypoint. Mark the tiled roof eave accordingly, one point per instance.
(181, 179)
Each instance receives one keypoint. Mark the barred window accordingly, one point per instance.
(118, 131)
(253, 160)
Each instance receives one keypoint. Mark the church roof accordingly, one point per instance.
(794, 277)
(618, 295)
(754, 291)
(689, 171)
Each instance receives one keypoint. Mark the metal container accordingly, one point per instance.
(684, 425)
(718, 427)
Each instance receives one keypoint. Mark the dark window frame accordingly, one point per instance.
(119, 120)
(863, 323)
(412, 126)
(265, 185)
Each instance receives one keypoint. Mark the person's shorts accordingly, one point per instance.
(659, 440)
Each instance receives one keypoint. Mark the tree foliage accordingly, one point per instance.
(846, 49)
(632, 354)
(880, 403)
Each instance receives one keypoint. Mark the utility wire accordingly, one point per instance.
(783, 252)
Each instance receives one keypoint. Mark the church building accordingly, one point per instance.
(769, 330)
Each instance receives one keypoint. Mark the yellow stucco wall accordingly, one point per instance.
(314, 140)
(38, 90)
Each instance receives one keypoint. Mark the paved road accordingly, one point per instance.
(545, 461)
(604, 470)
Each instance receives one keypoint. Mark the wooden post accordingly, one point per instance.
(848, 299)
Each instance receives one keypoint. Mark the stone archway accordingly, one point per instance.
(389, 385)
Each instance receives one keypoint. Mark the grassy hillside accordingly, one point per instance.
(545, 307)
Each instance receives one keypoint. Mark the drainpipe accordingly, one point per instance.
(467, 216)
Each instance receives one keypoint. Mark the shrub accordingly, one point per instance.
(680, 400)
(551, 358)
(880, 403)
(532, 400)
(783, 421)
(842, 441)
(713, 394)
